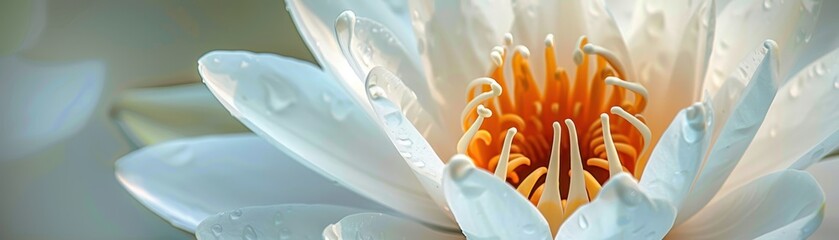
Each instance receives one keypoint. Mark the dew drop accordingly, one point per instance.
(376, 91)
(393, 118)
(181, 155)
(528, 229)
(248, 233)
(406, 154)
(216, 60)
(404, 141)
(419, 164)
(656, 24)
(340, 109)
(244, 64)
(285, 234)
(819, 69)
(767, 4)
(794, 90)
(235, 214)
(277, 101)
(279, 218)
(367, 53)
(583, 222)
(217, 229)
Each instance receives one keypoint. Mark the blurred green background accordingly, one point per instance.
(68, 190)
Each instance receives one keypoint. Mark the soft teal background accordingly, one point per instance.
(68, 191)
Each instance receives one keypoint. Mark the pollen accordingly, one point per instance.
(514, 129)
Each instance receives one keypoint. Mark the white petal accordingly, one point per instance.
(622, 210)
(744, 23)
(675, 161)
(45, 102)
(315, 20)
(692, 54)
(824, 37)
(187, 180)
(153, 115)
(736, 132)
(602, 30)
(825, 174)
(421, 136)
(488, 208)
(378, 226)
(786, 138)
(300, 110)
(759, 207)
(368, 44)
(287, 221)
(403, 133)
(680, 33)
(455, 44)
(623, 12)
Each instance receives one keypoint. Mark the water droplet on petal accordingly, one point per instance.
(285, 234)
(376, 91)
(277, 100)
(235, 214)
(794, 90)
(767, 4)
(419, 164)
(404, 141)
(248, 233)
(819, 69)
(217, 229)
(340, 109)
(406, 154)
(583, 222)
(279, 218)
(528, 229)
(393, 119)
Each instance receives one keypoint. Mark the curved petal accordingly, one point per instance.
(675, 161)
(682, 34)
(368, 44)
(488, 208)
(623, 12)
(412, 147)
(378, 226)
(287, 221)
(757, 208)
(535, 19)
(622, 210)
(825, 174)
(315, 20)
(187, 180)
(300, 110)
(736, 133)
(740, 23)
(814, 93)
(455, 43)
(153, 115)
(824, 37)
(45, 103)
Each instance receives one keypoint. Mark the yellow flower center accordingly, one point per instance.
(524, 145)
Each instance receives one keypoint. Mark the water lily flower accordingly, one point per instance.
(526, 120)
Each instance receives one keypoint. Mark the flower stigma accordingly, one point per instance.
(514, 130)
